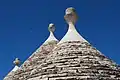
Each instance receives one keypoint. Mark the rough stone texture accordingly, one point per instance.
(69, 61)
(29, 67)
(72, 59)
(9, 76)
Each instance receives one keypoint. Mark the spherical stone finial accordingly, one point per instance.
(51, 39)
(70, 10)
(51, 27)
(71, 15)
(17, 61)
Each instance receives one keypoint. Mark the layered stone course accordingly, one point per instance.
(73, 58)
(29, 67)
(70, 61)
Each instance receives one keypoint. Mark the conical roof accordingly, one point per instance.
(71, 59)
(45, 48)
(39, 54)
(11, 73)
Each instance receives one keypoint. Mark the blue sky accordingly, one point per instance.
(24, 23)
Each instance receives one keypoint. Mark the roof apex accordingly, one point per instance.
(72, 34)
(51, 37)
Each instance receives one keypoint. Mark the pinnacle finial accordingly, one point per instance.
(16, 62)
(51, 37)
(51, 27)
(72, 34)
(71, 15)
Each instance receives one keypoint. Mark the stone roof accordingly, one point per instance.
(73, 58)
(11, 73)
(70, 61)
(38, 55)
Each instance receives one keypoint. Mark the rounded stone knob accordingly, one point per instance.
(17, 61)
(70, 10)
(70, 15)
(51, 27)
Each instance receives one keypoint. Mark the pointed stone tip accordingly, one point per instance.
(51, 27)
(16, 61)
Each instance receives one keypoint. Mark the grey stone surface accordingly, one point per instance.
(69, 61)
(30, 66)
(72, 59)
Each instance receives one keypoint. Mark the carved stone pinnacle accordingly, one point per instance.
(51, 27)
(70, 15)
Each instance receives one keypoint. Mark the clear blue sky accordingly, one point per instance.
(24, 23)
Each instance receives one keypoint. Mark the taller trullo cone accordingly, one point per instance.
(74, 58)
